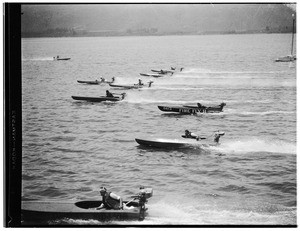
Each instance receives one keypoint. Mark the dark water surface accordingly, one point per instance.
(71, 148)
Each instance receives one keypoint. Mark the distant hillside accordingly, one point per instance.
(156, 19)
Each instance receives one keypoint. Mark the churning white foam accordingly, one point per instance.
(257, 145)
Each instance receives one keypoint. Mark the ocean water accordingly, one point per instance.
(71, 148)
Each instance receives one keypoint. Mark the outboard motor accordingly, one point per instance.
(150, 82)
(222, 105)
(143, 195)
(218, 135)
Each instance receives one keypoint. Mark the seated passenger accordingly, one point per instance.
(201, 107)
(140, 82)
(191, 135)
(188, 134)
(112, 201)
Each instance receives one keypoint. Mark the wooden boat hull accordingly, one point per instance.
(83, 210)
(126, 86)
(181, 110)
(96, 99)
(96, 82)
(286, 59)
(190, 109)
(167, 143)
(151, 75)
(163, 71)
(194, 141)
(62, 59)
(155, 70)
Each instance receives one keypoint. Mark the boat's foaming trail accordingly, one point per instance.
(257, 145)
(237, 112)
(199, 70)
(39, 59)
(203, 212)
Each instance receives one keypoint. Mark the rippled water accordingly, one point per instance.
(71, 148)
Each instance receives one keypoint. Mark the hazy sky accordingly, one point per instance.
(164, 17)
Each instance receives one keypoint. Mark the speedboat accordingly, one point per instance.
(132, 86)
(151, 75)
(43, 211)
(288, 58)
(57, 58)
(101, 98)
(93, 82)
(187, 109)
(188, 140)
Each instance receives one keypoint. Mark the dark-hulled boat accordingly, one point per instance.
(166, 143)
(151, 75)
(134, 86)
(63, 59)
(95, 82)
(288, 58)
(192, 109)
(39, 211)
(192, 140)
(163, 72)
(60, 59)
(181, 110)
(99, 99)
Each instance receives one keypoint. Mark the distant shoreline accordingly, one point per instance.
(120, 34)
